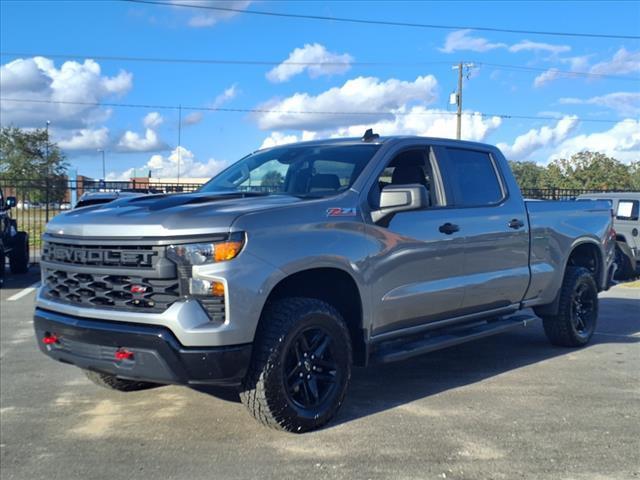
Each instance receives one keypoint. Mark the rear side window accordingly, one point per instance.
(628, 210)
(473, 177)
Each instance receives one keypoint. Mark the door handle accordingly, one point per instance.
(516, 223)
(448, 228)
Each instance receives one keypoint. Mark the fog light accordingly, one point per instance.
(206, 287)
(123, 354)
(49, 339)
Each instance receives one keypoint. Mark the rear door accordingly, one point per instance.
(495, 227)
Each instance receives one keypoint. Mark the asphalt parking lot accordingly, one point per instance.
(509, 406)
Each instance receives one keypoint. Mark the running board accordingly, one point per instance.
(395, 350)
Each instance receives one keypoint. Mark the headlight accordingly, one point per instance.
(207, 252)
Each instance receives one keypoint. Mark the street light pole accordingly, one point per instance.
(47, 185)
(104, 175)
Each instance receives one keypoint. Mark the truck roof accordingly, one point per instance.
(383, 140)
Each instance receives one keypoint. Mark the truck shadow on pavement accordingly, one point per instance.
(383, 387)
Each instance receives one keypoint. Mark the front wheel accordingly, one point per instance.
(575, 322)
(19, 254)
(301, 365)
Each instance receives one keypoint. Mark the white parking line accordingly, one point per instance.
(632, 335)
(24, 292)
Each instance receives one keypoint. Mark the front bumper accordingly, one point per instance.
(157, 355)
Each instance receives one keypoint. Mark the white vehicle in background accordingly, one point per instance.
(626, 209)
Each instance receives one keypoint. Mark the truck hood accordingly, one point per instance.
(164, 215)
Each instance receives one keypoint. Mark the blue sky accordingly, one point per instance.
(412, 88)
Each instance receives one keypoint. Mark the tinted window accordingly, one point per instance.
(473, 178)
(305, 171)
(627, 210)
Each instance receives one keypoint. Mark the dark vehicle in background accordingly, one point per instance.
(13, 243)
(626, 223)
(98, 198)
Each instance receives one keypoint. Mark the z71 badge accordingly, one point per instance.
(341, 212)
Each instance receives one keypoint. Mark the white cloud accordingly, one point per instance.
(527, 45)
(417, 120)
(279, 138)
(546, 77)
(226, 96)
(361, 95)
(166, 166)
(85, 139)
(152, 120)
(539, 138)
(208, 18)
(192, 118)
(134, 142)
(622, 141)
(622, 63)
(625, 103)
(462, 40)
(333, 63)
(38, 78)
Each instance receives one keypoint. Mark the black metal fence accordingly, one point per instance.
(39, 200)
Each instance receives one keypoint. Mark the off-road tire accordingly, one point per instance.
(626, 270)
(112, 382)
(563, 329)
(2, 266)
(19, 254)
(266, 389)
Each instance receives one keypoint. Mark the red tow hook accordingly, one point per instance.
(50, 339)
(123, 354)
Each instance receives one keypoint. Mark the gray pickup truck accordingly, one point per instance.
(299, 261)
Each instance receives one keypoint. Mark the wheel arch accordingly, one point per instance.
(584, 252)
(334, 286)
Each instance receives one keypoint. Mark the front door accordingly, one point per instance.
(417, 275)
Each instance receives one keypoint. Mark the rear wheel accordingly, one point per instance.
(575, 322)
(112, 382)
(301, 365)
(625, 262)
(19, 254)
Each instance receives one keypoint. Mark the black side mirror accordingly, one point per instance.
(400, 198)
(10, 202)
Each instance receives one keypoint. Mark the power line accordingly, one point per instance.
(296, 112)
(568, 73)
(124, 58)
(386, 22)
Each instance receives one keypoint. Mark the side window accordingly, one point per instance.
(407, 167)
(268, 177)
(473, 177)
(628, 210)
(331, 175)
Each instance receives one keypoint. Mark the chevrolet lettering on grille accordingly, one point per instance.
(66, 254)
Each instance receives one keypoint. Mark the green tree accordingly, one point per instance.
(591, 170)
(634, 173)
(272, 179)
(29, 160)
(528, 174)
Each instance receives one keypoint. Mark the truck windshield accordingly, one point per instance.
(303, 171)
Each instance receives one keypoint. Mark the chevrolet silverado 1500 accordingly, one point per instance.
(299, 261)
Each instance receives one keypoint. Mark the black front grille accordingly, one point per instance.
(123, 292)
(143, 256)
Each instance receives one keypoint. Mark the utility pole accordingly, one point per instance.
(459, 67)
(179, 139)
(104, 175)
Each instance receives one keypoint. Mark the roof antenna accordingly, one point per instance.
(370, 136)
